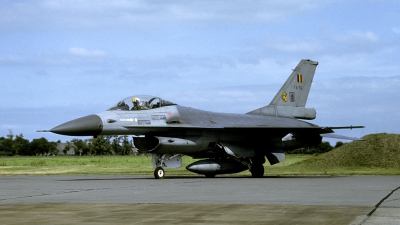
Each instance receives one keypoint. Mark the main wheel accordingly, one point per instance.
(159, 173)
(257, 170)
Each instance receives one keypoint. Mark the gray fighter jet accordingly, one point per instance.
(225, 142)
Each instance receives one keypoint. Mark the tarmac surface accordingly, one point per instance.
(128, 199)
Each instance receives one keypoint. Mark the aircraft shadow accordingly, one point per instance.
(182, 177)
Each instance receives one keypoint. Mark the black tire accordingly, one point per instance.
(210, 175)
(257, 171)
(159, 173)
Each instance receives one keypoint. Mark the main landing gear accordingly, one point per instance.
(257, 170)
(257, 167)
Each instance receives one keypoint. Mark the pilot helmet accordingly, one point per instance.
(135, 100)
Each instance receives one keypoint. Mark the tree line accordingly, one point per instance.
(102, 145)
(18, 145)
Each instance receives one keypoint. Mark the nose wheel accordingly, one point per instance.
(159, 173)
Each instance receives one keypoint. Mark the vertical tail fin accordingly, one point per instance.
(294, 91)
(290, 101)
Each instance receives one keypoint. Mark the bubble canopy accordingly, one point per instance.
(141, 102)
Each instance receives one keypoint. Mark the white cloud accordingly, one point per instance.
(229, 56)
(295, 46)
(396, 30)
(9, 60)
(65, 14)
(357, 36)
(351, 63)
(85, 53)
(369, 101)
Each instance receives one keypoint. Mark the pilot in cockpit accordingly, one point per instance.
(137, 104)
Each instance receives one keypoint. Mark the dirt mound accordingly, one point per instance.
(378, 150)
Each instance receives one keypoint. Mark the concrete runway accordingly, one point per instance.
(196, 200)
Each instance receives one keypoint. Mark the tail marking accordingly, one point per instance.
(291, 99)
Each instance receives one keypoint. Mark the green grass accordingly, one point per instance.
(101, 165)
(75, 165)
(141, 165)
(378, 154)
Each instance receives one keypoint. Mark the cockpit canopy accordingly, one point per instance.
(141, 102)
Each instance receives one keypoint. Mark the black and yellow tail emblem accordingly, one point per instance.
(284, 96)
(299, 78)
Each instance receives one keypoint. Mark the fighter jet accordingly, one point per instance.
(224, 142)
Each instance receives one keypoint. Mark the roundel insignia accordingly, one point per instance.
(284, 96)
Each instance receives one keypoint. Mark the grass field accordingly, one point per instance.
(294, 165)
(104, 165)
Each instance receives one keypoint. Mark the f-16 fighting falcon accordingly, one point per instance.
(224, 142)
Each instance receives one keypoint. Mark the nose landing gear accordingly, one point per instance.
(159, 173)
(161, 161)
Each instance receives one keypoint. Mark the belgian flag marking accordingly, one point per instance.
(299, 78)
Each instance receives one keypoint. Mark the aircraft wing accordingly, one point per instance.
(229, 129)
(322, 131)
(235, 129)
(301, 128)
(337, 136)
(260, 128)
(345, 127)
(249, 130)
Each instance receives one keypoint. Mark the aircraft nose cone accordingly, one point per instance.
(85, 126)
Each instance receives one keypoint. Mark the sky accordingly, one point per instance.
(64, 59)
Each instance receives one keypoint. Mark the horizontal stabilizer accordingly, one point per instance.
(286, 111)
(337, 136)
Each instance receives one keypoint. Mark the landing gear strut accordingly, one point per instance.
(257, 170)
(161, 161)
